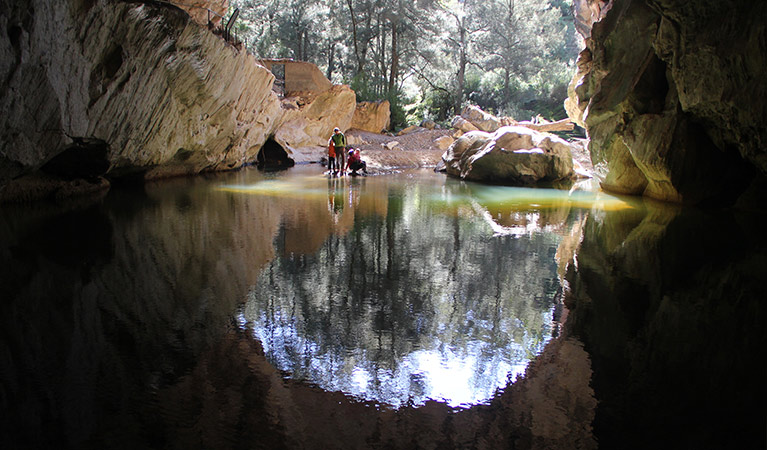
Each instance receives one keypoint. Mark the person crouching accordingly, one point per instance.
(354, 162)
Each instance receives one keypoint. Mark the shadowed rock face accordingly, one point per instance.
(673, 97)
(668, 303)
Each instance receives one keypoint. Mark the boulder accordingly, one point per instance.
(443, 142)
(473, 118)
(463, 125)
(428, 124)
(372, 116)
(512, 155)
(410, 129)
(480, 119)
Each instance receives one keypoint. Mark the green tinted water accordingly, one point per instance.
(411, 287)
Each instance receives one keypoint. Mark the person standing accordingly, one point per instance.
(331, 156)
(339, 142)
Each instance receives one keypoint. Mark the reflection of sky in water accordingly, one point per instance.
(436, 289)
(458, 378)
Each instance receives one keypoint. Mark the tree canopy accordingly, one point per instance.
(427, 57)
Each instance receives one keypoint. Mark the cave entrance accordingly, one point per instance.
(84, 158)
(273, 156)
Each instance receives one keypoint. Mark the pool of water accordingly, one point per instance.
(409, 287)
(289, 310)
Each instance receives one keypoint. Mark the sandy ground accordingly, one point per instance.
(414, 150)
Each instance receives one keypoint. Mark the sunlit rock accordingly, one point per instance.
(410, 129)
(513, 155)
(160, 93)
(203, 11)
(165, 95)
(480, 119)
(313, 123)
(443, 142)
(463, 125)
(371, 116)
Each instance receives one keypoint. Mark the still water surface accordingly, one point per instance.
(418, 287)
(393, 289)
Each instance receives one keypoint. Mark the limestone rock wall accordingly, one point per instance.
(673, 96)
(312, 124)
(161, 92)
(92, 88)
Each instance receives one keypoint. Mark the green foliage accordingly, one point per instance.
(416, 111)
(362, 86)
(396, 106)
(437, 104)
(509, 57)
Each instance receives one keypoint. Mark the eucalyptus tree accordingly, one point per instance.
(259, 27)
(519, 39)
(450, 48)
(298, 21)
(463, 25)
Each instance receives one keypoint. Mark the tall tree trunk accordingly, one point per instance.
(299, 42)
(360, 62)
(461, 67)
(506, 85)
(331, 59)
(365, 44)
(394, 68)
(381, 82)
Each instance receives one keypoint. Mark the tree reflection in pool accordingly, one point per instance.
(435, 292)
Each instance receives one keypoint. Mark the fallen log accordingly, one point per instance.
(559, 125)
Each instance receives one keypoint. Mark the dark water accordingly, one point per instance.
(292, 311)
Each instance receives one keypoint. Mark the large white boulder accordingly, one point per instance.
(511, 155)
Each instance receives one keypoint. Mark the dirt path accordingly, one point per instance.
(413, 150)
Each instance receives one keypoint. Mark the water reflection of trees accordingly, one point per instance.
(413, 280)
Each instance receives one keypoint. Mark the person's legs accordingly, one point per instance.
(331, 164)
(340, 161)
